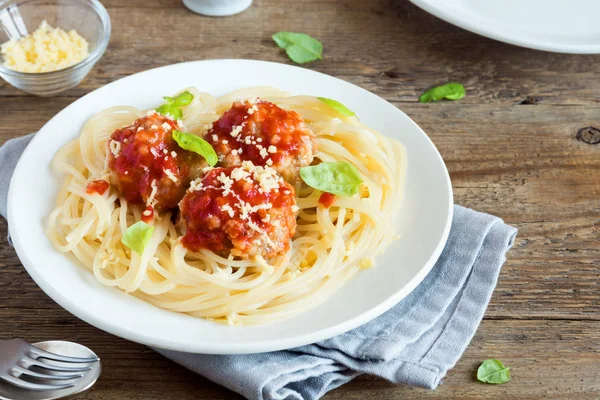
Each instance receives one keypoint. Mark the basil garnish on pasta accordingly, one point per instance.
(137, 236)
(300, 47)
(190, 142)
(173, 104)
(340, 177)
(337, 106)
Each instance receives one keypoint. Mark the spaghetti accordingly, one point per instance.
(335, 236)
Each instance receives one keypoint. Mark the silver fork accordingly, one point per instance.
(17, 357)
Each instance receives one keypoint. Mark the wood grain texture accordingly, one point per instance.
(510, 146)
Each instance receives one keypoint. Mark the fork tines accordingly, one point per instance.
(38, 369)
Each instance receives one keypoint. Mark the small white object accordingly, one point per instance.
(217, 8)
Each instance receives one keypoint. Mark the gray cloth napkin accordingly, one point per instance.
(414, 343)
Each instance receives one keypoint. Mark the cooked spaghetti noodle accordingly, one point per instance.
(329, 246)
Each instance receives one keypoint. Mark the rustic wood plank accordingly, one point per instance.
(549, 359)
(379, 45)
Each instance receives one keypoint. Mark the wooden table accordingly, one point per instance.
(510, 146)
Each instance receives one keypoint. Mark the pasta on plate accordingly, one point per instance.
(244, 208)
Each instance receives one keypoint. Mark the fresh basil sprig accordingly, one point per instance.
(340, 177)
(173, 104)
(449, 91)
(190, 142)
(137, 236)
(493, 371)
(300, 47)
(337, 106)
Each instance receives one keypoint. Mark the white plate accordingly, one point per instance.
(562, 26)
(425, 217)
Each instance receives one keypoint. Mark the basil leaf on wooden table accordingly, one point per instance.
(137, 236)
(300, 47)
(340, 177)
(337, 106)
(449, 91)
(190, 142)
(493, 371)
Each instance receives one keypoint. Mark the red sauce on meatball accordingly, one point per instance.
(148, 214)
(147, 164)
(265, 134)
(327, 199)
(231, 213)
(100, 187)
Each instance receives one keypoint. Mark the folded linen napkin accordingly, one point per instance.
(414, 343)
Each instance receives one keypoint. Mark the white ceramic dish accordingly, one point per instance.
(217, 8)
(425, 217)
(552, 25)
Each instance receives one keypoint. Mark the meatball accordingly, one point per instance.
(267, 135)
(148, 166)
(247, 212)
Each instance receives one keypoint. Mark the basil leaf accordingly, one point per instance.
(337, 106)
(450, 91)
(340, 177)
(190, 142)
(182, 99)
(137, 236)
(493, 371)
(300, 47)
(173, 103)
(168, 109)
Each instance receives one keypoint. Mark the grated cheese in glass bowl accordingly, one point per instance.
(50, 46)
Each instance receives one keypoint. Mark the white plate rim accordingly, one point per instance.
(438, 10)
(215, 348)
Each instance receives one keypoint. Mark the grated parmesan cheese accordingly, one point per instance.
(115, 148)
(236, 130)
(239, 173)
(196, 185)
(227, 208)
(45, 50)
(170, 175)
(227, 182)
(151, 202)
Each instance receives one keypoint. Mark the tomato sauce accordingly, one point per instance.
(145, 152)
(269, 135)
(100, 187)
(148, 214)
(215, 219)
(327, 199)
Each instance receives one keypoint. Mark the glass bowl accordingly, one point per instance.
(20, 17)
